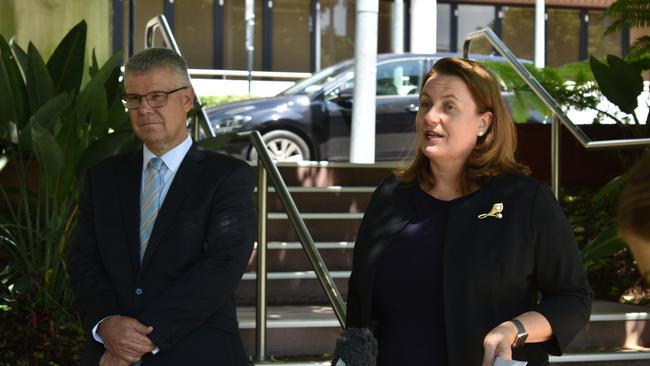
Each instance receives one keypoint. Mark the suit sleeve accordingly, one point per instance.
(94, 295)
(559, 272)
(213, 279)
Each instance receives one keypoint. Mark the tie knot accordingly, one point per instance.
(155, 164)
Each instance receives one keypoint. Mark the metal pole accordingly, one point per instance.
(555, 155)
(397, 27)
(423, 26)
(250, 38)
(260, 310)
(362, 140)
(540, 26)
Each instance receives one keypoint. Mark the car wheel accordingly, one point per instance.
(283, 145)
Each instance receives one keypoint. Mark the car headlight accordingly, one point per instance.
(230, 123)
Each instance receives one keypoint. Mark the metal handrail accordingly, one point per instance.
(558, 115)
(160, 23)
(266, 166)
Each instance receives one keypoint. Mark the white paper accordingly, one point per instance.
(341, 363)
(503, 362)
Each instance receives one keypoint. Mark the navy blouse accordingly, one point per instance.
(407, 305)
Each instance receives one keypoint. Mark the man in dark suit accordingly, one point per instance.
(163, 235)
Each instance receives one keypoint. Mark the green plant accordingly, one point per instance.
(628, 14)
(52, 128)
(609, 264)
(581, 93)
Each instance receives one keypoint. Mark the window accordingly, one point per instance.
(600, 45)
(444, 28)
(144, 11)
(291, 37)
(399, 78)
(234, 53)
(562, 37)
(193, 29)
(337, 30)
(471, 18)
(518, 27)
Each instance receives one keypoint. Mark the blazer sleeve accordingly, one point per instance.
(358, 293)
(94, 296)
(559, 272)
(212, 280)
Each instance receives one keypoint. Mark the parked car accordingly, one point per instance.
(312, 119)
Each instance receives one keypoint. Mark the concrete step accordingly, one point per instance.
(322, 228)
(616, 333)
(290, 256)
(323, 174)
(310, 199)
(290, 288)
(604, 357)
(615, 325)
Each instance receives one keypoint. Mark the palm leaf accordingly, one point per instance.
(13, 92)
(66, 63)
(40, 87)
(604, 245)
(47, 150)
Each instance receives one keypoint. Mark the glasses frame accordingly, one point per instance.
(147, 96)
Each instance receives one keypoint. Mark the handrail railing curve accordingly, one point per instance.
(558, 114)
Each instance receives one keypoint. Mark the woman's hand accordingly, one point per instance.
(499, 343)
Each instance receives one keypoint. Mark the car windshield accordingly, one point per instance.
(316, 81)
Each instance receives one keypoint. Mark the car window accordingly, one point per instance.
(399, 77)
(316, 81)
(396, 78)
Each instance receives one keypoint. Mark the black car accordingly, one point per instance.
(312, 119)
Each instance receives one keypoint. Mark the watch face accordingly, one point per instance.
(520, 340)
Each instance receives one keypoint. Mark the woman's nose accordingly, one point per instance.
(432, 117)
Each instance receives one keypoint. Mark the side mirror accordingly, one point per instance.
(344, 98)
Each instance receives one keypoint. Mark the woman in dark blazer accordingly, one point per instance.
(461, 257)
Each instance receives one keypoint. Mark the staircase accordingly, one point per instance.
(302, 328)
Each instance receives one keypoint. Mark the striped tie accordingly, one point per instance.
(149, 203)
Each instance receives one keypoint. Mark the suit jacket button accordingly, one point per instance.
(138, 291)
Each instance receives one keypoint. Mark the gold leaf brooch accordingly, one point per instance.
(496, 211)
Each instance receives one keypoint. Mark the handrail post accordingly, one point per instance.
(260, 311)
(555, 155)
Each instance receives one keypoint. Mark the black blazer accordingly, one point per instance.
(493, 268)
(198, 250)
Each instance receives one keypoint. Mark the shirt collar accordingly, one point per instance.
(172, 159)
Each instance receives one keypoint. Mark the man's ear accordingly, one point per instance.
(188, 99)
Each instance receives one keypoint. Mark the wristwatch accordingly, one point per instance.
(522, 334)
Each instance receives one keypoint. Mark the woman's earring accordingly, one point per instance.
(481, 133)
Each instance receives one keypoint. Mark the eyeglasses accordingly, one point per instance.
(156, 99)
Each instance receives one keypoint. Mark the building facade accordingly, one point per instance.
(306, 35)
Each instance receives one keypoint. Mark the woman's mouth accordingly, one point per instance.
(431, 135)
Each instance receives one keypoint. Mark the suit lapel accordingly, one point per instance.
(187, 174)
(129, 189)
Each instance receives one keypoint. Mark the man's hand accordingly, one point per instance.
(499, 343)
(125, 338)
(109, 359)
